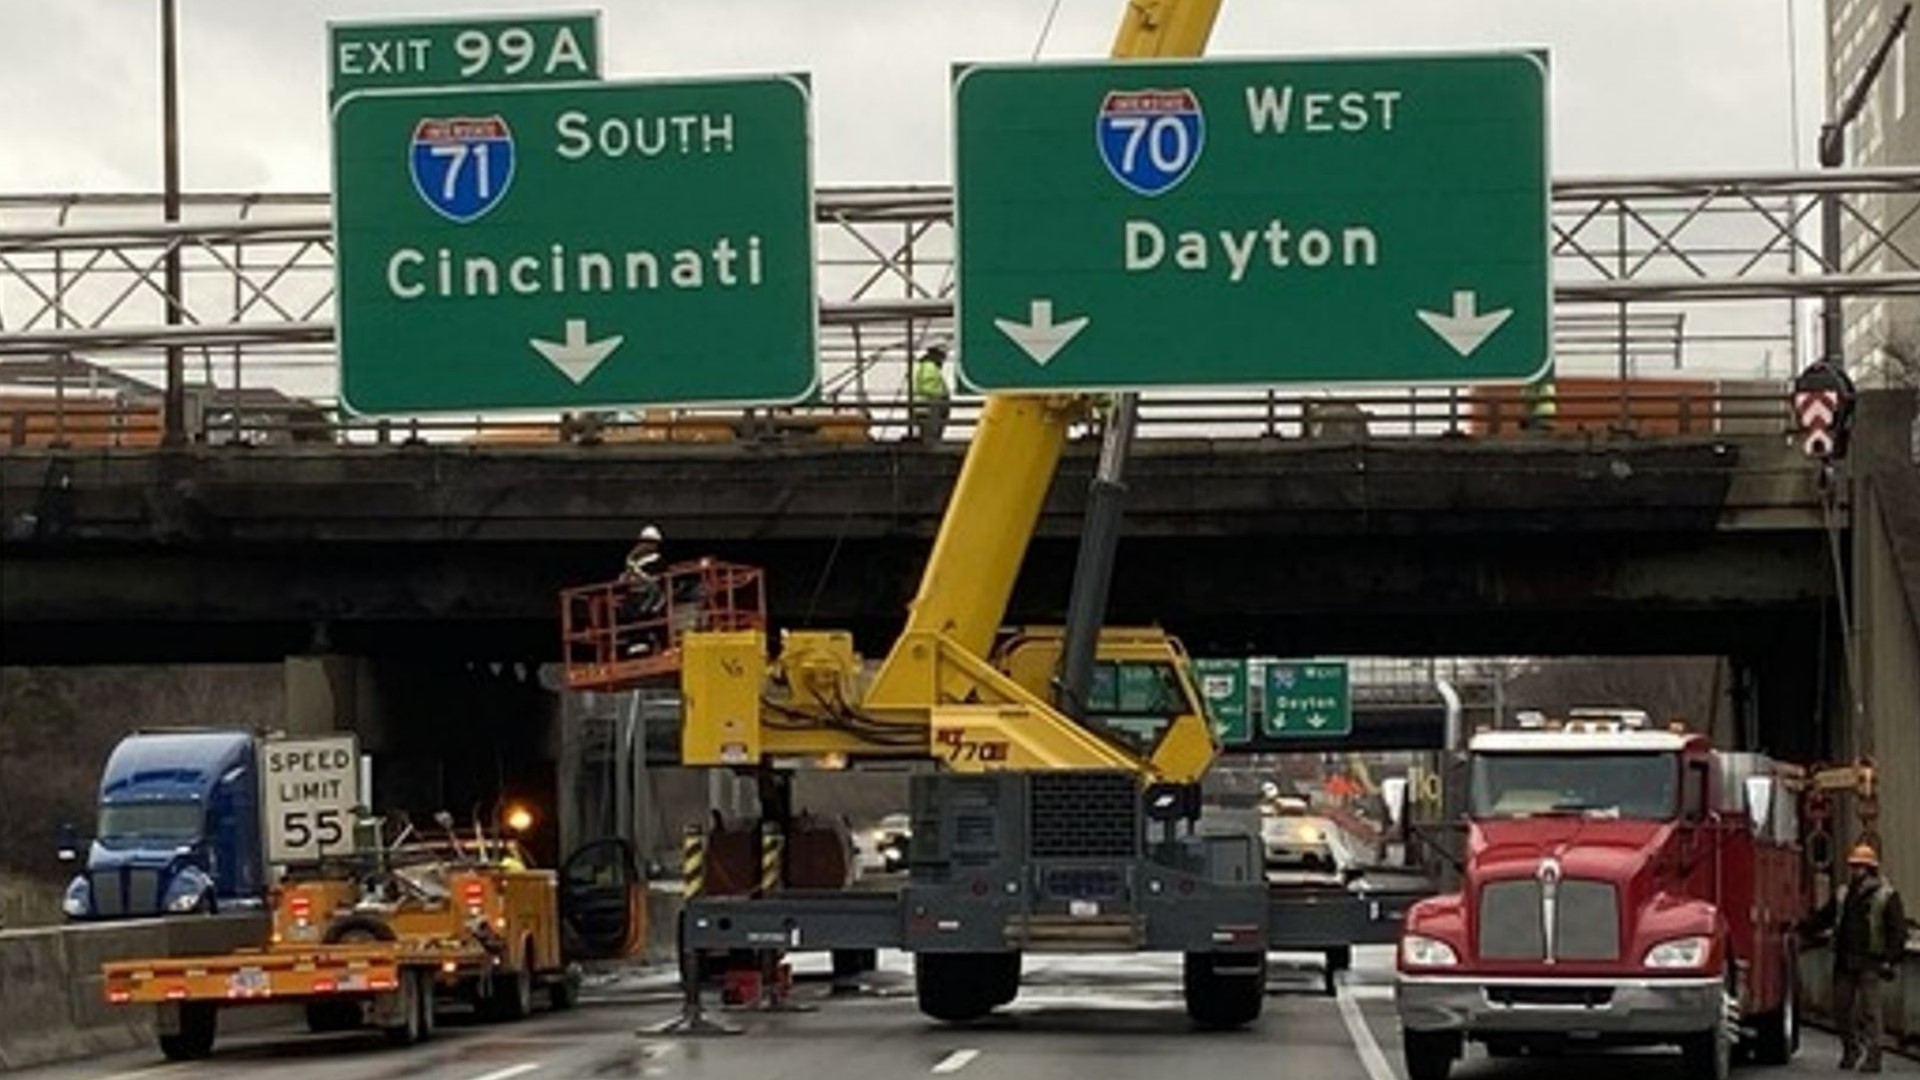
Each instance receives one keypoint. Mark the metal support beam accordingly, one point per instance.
(174, 421)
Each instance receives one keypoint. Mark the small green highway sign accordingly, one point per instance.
(594, 245)
(1142, 224)
(462, 52)
(1307, 698)
(1223, 689)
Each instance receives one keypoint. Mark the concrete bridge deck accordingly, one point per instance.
(1444, 545)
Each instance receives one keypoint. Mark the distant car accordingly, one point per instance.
(883, 848)
(1295, 839)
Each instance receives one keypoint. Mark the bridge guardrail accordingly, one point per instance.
(1582, 408)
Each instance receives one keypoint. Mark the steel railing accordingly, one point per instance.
(1628, 410)
(1655, 274)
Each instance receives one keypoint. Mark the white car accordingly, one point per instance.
(1293, 838)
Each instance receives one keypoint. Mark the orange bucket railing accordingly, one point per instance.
(625, 632)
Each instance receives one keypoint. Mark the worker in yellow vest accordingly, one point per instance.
(1540, 403)
(930, 396)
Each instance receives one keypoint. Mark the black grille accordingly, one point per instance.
(1084, 883)
(126, 891)
(109, 895)
(1510, 927)
(1586, 920)
(1083, 815)
(1561, 997)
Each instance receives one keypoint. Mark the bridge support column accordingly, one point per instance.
(321, 693)
(1886, 612)
(461, 737)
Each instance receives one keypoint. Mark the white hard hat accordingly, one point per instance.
(650, 533)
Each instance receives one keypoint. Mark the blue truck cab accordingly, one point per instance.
(178, 829)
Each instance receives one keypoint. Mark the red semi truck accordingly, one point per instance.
(1622, 886)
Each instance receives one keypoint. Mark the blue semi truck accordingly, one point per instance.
(178, 829)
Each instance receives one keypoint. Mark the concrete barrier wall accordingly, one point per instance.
(1902, 996)
(52, 1006)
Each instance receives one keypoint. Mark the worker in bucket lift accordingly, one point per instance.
(644, 599)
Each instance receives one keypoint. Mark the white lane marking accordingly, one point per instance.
(1363, 1041)
(510, 1071)
(150, 1070)
(955, 1061)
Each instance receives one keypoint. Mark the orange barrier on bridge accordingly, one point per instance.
(1602, 406)
(671, 426)
(89, 422)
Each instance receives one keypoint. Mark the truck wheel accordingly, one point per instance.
(1429, 1054)
(513, 991)
(199, 1022)
(1504, 1048)
(1224, 990)
(351, 928)
(563, 993)
(1708, 1055)
(429, 1004)
(326, 1017)
(407, 1031)
(1002, 982)
(1778, 1037)
(956, 987)
(851, 963)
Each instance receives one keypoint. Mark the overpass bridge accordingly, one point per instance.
(1448, 544)
(1668, 519)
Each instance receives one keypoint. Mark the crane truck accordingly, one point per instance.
(1060, 816)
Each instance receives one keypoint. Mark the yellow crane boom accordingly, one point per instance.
(945, 689)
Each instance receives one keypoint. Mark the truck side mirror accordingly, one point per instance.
(69, 849)
(1760, 803)
(1394, 791)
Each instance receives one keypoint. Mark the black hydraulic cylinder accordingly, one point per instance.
(1093, 566)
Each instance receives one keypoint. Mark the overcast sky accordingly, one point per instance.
(1639, 86)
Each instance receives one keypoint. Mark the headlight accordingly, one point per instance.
(79, 898)
(184, 892)
(1686, 952)
(1419, 951)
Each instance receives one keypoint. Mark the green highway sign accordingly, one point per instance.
(462, 52)
(596, 245)
(1307, 698)
(1253, 222)
(1223, 689)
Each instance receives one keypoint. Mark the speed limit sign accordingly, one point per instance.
(312, 786)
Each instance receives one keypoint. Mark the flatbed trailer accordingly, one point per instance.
(374, 943)
(394, 983)
(1295, 919)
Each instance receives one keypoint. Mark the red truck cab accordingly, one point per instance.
(1622, 886)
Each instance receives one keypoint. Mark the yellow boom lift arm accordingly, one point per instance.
(948, 689)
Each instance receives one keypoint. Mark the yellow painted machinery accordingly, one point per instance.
(1063, 809)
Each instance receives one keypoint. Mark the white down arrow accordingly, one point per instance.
(1040, 337)
(1465, 329)
(576, 357)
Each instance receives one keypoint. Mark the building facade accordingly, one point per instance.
(1882, 334)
